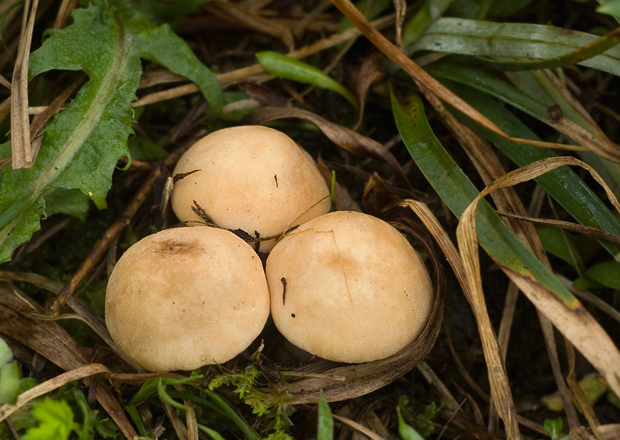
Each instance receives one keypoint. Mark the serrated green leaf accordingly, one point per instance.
(512, 40)
(82, 144)
(606, 273)
(142, 148)
(560, 244)
(66, 201)
(56, 421)
(406, 432)
(282, 66)
(325, 429)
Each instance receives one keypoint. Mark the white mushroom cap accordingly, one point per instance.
(348, 287)
(251, 178)
(186, 297)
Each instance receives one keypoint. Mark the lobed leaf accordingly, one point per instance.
(82, 145)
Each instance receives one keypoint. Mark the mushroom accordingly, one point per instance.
(348, 287)
(186, 297)
(252, 180)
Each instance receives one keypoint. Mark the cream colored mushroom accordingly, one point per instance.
(186, 297)
(249, 179)
(348, 287)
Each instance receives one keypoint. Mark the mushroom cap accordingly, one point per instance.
(186, 297)
(348, 287)
(251, 178)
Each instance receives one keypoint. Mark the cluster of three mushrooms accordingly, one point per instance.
(344, 286)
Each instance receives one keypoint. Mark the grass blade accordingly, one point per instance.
(533, 278)
(513, 40)
(282, 66)
(325, 429)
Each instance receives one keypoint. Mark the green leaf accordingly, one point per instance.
(554, 427)
(6, 355)
(406, 432)
(325, 429)
(142, 148)
(282, 66)
(82, 144)
(606, 273)
(512, 40)
(66, 201)
(611, 7)
(9, 383)
(558, 243)
(56, 421)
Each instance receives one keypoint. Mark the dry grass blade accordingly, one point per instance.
(573, 321)
(51, 385)
(370, 72)
(21, 149)
(568, 226)
(500, 388)
(63, 13)
(239, 15)
(54, 343)
(357, 427)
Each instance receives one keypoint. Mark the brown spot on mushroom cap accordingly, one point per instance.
(186, 297)
(357, 289)
(235, 182)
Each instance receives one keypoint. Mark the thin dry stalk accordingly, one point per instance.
(568, 226)
(177, 424)
(63, 13)
(434, 380)
(51, 385)
(21, 148)
(589, 297)
(239, 15)
(357, 427)
(246, 72)
(426, 82)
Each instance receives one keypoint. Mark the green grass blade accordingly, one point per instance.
(406, 432)
(232, 415)
(325, 429)
(512, 40)
(430, 11)
(282, 66)
(211, 432)
(457, 191)
(563, 184)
